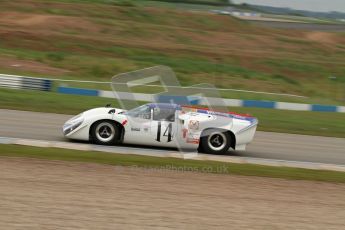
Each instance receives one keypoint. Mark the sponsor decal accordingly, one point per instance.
(193, 138)
(193, 135)
(193, 125)
(146, 129)
(192, 141)
(135, 129)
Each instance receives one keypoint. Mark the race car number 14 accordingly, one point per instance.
(167, 132)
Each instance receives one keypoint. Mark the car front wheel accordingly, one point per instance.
(104, 133)
(215, 141)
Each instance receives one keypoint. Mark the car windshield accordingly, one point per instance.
(143, 112)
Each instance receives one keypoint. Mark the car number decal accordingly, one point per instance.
(167, 132)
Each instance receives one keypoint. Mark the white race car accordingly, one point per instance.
(166, 125)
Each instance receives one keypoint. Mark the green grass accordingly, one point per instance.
(300, 122)
(50, 102)
(109, 2)
(159, 163)
(145, 2)
(189, 70)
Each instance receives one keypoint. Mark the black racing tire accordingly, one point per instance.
(215, 141)
(105, 133)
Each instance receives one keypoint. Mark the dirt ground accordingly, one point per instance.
(39, 194)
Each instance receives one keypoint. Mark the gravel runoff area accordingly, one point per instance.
(40, 194)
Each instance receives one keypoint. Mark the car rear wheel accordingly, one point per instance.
(215, 141)
(105, 133)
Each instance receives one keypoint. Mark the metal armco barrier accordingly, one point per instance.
(19, 82)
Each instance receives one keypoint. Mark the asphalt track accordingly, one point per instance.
(279, 146)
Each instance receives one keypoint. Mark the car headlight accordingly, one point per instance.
(72, 124)
(74, 118)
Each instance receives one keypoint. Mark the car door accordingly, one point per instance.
(138, 127)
